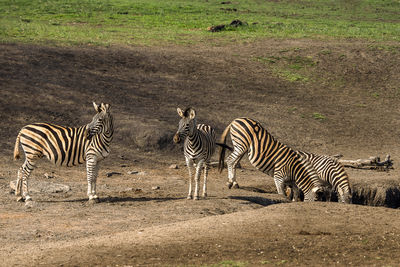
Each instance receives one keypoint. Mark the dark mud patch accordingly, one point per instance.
(386, 194)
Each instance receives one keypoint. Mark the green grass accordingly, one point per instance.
(318, 116)
(150, 22)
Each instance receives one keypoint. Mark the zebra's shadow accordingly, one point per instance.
(259, 200)
(112, 199)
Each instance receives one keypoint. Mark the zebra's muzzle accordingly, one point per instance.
(177, 139)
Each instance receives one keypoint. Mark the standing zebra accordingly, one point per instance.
(269, 156)
(199, 146)
(65, 146)
(331, 172)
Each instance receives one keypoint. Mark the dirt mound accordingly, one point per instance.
(324, 97)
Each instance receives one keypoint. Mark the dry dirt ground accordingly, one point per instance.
(144, 218)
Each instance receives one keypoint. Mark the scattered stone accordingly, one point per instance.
(124, 165)
(155, 187)
(234, 23)
(30, 204)
(216, 28)
(122, 157)
(109, 174)
(129, 189)
(132, 172)
(174, 166)
(49, 176)
(237, 23)
(226, 2)
(229, 9)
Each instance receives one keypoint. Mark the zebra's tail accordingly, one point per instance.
(223, 146)
(16, 148)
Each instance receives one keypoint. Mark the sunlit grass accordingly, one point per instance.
(152, 22)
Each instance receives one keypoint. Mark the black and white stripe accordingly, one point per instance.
(269, 156)
(332, 173)
(65, 146)
(199, 146)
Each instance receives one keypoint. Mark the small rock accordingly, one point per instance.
(124, 165)
(155, 187)
(109, 174)
(30, 204)
(216, 28)
(132, 172)
(174, 166)
(49, 176)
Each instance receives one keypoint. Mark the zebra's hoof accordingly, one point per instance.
(235, 185)
(229, 185)
(204, 195)
(20, 199)
(189, 197)
(196, 198)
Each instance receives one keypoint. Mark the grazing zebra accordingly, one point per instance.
(331, 172)
(199, 146)
(269, 156)
(65, 146)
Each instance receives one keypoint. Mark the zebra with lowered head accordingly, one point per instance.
(269, 156)
(65, 146)
(331, 172)
(199, 146)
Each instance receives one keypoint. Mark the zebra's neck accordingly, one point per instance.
(194, 136)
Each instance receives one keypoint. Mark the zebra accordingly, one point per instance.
(199, 146)
(331, 172)
(65, 146)
(269, 156)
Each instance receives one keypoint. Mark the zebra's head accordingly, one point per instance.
(345, 196)
(315, 194)
(102, 122)
(187, 124)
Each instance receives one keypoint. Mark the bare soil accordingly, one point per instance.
(145, 218)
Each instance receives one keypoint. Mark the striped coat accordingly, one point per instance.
(199, 146)
(332, 173)
(269, 156)
(65, 146)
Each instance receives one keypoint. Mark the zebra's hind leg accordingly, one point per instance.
(189, 164)
(206, 168)
(232, 162)
(21, 186)
(91, 172)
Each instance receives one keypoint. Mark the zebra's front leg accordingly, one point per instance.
(92, 172)
(206, 168)
(21, 186)
(199, 166)
(189, 164)
(280, 183)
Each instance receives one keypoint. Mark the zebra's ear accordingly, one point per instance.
(96, 107)
(192, 114)
(180, 112)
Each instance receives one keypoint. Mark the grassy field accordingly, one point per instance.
(106, 22)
